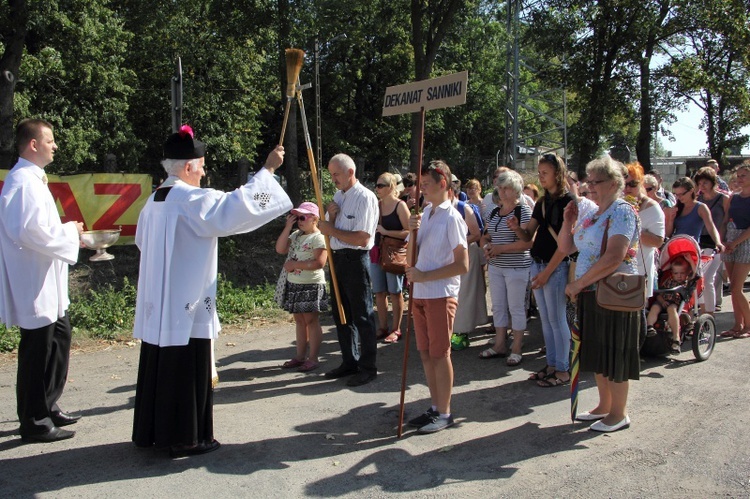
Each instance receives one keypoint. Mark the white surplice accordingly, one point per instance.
(36, 249)
(178, 239)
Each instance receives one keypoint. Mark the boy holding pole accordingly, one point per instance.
(436, 277)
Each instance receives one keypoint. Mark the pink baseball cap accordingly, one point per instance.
(307, 208)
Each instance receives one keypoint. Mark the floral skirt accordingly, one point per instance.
(305, 298)
(741, 253)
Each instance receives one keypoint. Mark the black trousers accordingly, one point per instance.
(43, 357)
(174, 398)
(353, 273)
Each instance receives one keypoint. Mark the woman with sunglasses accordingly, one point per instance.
(690, 216)
(737, 256)
(305, 295)
(708, 192)
(652, 223)
(394, 219)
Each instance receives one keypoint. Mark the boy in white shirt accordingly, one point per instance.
(436, 277)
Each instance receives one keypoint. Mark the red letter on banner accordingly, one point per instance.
(71, 212)
(129, 194)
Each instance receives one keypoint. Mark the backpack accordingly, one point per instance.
(516, 213)
(461, 207)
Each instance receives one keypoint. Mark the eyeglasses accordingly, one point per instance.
(679, 194)
(584, 193)
(380, 186)
(597, 182)
(632, 183)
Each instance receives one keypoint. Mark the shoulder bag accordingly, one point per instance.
(620, 291)
(392, 253)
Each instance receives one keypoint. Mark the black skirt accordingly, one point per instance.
(609, 340)
(174, 397)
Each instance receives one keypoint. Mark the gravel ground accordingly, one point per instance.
(287, 434)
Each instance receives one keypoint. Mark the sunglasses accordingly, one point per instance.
(584, 193)
(550, 158)
(632, 183)
(597, 182)
(649, 189)
(302, 218)
(380, 186)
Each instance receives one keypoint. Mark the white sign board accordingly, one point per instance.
(437, 93)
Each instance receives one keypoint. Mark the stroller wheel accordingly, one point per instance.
(704, 337)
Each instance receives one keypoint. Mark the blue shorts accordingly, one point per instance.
(383, 281)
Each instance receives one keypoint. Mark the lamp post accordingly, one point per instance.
(318, 126)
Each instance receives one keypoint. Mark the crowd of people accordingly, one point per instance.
(540, 245)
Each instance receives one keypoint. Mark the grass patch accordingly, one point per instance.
(108, 313)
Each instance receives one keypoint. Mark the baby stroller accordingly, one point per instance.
(702, 328)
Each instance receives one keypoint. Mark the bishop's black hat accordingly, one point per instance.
(184, 145)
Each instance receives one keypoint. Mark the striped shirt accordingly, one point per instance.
(358, 211)
(439, 234)
(497, 228)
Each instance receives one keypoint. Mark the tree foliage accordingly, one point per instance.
(100, 71)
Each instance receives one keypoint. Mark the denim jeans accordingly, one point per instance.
(353, 273)
(550, 300)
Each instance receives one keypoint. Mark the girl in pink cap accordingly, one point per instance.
(305, 295)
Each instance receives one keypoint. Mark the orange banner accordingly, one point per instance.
(100, 200)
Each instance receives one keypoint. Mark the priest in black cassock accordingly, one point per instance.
(175, 315)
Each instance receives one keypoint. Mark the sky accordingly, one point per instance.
(690, 139)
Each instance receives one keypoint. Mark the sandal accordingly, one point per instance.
(730, 333)
(514, 359)
(552, 380)
(675, 347)
(540, 374)
(489, 353)
(745, 333)
(292, 363)
(382, 333)
(393, 337)
(308, 365)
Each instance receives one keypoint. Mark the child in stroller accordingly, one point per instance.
(671, 299)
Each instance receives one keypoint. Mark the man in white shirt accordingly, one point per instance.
(175, 314)
(352, 218)
(36, 251)
(442, 258)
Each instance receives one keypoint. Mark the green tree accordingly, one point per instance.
(712, 70)
(72, 74)
(14, 19)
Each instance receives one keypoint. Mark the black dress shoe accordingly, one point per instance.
(194, 450)
(340, 372)
(361, 378)
(64, 419)
(53, 435)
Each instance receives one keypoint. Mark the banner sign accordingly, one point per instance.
(100, 200)
(437, 93)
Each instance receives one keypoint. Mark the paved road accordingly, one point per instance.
(286, 434)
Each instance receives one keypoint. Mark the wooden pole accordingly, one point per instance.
(319, 199)
(413, 248)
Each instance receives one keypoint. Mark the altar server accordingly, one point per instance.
(35, 251)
